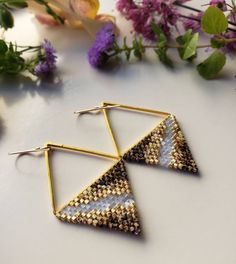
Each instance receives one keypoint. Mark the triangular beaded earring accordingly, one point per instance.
(107, 202)
(166, 146)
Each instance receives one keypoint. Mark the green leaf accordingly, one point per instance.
(128, 54)
(188, 44)
(127, 49)
(6, 18)
(11, 47)
(163, 57)
(217, 43)
(191, 47)
(14, 63)
(138, 48)
(214, 21)
(161, 49)
(210, 67)
(3, 47)
(16, 4)
(162, 40)
(41, 2)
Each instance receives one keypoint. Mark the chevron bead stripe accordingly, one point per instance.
(166, 146)
(108, 202)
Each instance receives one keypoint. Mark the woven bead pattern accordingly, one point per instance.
(108, 202)
(166, 146)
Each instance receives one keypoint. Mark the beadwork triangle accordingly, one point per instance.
(108, 202)
(166, 146)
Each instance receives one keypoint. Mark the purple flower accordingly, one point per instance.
(232, 17)
(193, 22)
(182, 1)
(104, 42)
(47, 59)
(221, 4)
(143, 13)
(125, 5)
(230, 48)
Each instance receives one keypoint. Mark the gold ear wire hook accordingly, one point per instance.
(38, 149)
(45, 149)
(96, 109)
(103, 108)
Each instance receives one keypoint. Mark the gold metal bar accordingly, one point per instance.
(138, 109)
(110, 130)
(50, 184)
(81, 150)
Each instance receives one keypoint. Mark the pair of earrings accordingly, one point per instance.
(109, 201)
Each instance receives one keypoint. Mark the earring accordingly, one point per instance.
(107, 202)
(165, 145)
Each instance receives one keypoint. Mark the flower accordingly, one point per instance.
(221, 4)
(75, 13)
(47, 59)
(193, 22)
(181, 1)
(43, 69)
(104, 42)
(144, 13)
(230, 48)
(232, 16)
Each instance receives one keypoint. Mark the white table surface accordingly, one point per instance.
(185, 219)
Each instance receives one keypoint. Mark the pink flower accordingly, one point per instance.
(143, 13)
(232, 16)
(182, 1)
(46, 20)
(193, 22)
(230, 48)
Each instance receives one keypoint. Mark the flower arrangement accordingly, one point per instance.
(72, 13)
(158, 25)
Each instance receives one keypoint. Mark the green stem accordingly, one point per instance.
(29, 48)
(227, 41)
(187, 7)
(229, 5)
(119, 50)
(50, 11)
(202, 46)
(26, 48)
(169, 46)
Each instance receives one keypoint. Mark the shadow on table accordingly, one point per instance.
(121, 66)
(15, 88)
